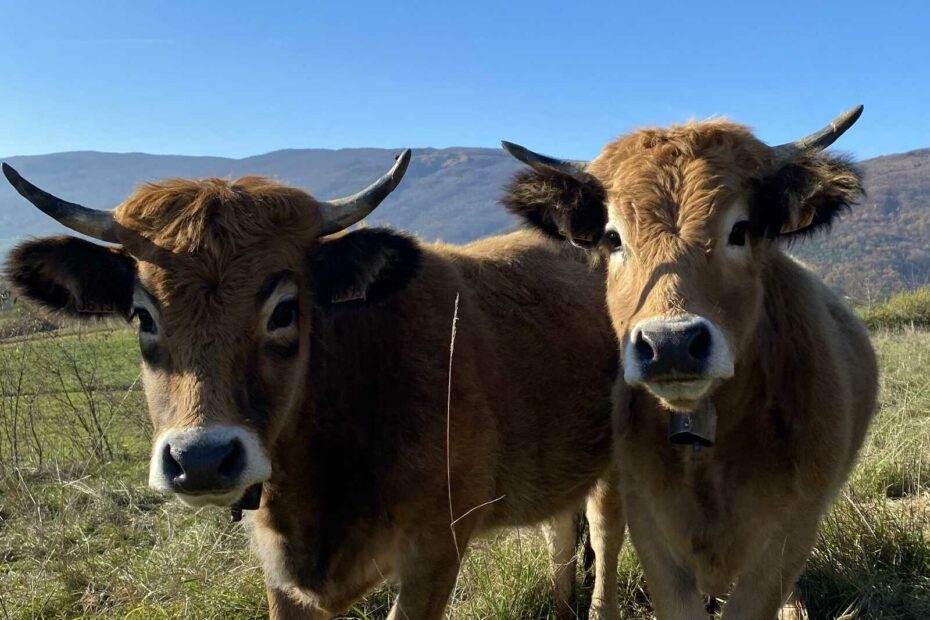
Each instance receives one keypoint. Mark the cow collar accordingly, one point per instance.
(697, 429)
(251, 500)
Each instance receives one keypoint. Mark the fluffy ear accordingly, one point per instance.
(73, 276)
(559, 205)
(805, 196)
(364, 267)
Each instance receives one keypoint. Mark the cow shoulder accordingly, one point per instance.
(73, 276)
(365, 266)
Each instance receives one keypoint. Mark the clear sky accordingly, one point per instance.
(242, 78)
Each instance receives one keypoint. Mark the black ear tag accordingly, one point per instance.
(698, 428)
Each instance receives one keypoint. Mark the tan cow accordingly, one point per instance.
(314, 373)
(754, 384)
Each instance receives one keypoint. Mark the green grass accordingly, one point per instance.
(82, 537)
(873, 557)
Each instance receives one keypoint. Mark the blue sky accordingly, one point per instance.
(241, 78)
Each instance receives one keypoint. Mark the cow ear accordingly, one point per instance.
(72, 276)
(805, 195)
(559, 205)
(364, 267)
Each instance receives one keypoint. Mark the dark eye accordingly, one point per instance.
(738, 233)
(612, 240)
(146, 322)
(284, 315)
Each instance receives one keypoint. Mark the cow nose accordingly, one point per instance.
(673, 348)
(202, 466)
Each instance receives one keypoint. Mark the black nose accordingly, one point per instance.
(676, 349)
(202, 467)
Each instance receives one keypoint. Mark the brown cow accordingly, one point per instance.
(754, 383)
(314, 373)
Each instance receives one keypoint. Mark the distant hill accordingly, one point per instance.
(448, 194)
(881, 247)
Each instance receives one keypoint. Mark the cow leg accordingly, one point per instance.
(283, 607)
(793, 609)
(673, 590)
(766, 591)
(606, 525)
(562, 538)
(427, 577)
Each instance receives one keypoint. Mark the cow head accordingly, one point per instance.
(222, 278)
(686, 218)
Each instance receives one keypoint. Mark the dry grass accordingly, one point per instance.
(87, 539)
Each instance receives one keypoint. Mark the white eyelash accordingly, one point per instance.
(141, 299)
(285, 291)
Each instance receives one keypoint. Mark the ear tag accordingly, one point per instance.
(347, 296)
(697, 429)
(95, 308)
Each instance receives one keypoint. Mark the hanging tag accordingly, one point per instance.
(698, 429)
(251, 500)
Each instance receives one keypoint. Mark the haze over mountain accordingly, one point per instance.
(452, 194)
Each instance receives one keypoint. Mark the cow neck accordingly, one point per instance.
(745, 401)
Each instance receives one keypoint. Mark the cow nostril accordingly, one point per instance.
(700, 345)
(203, 466)
(644, 348)
(234, 461)
(170, 465)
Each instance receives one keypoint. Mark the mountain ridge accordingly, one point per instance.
(880, 247)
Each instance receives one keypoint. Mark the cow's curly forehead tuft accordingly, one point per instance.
(727, 148)
(213, 215)
(675, 180)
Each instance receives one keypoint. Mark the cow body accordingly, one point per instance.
(323, 370)
(361, 480)
(789, 425)
(747, 385)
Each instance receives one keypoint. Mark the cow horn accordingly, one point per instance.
(819, 140)
(91, 222)
(577, 169)
(343, 212)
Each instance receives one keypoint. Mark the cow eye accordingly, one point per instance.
(146, 322)
(284, 315)
(738, 233)
(612, 240)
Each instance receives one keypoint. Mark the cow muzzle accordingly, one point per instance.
(212, 465)
(680, 359)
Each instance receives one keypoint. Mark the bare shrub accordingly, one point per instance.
(62, 392)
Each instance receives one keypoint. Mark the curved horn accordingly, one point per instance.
(574, 168)
(343, 212)
(819, 140)
(91, 222)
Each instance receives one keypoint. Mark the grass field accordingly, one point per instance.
(82, 536)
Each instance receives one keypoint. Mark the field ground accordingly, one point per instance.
(81, 536)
